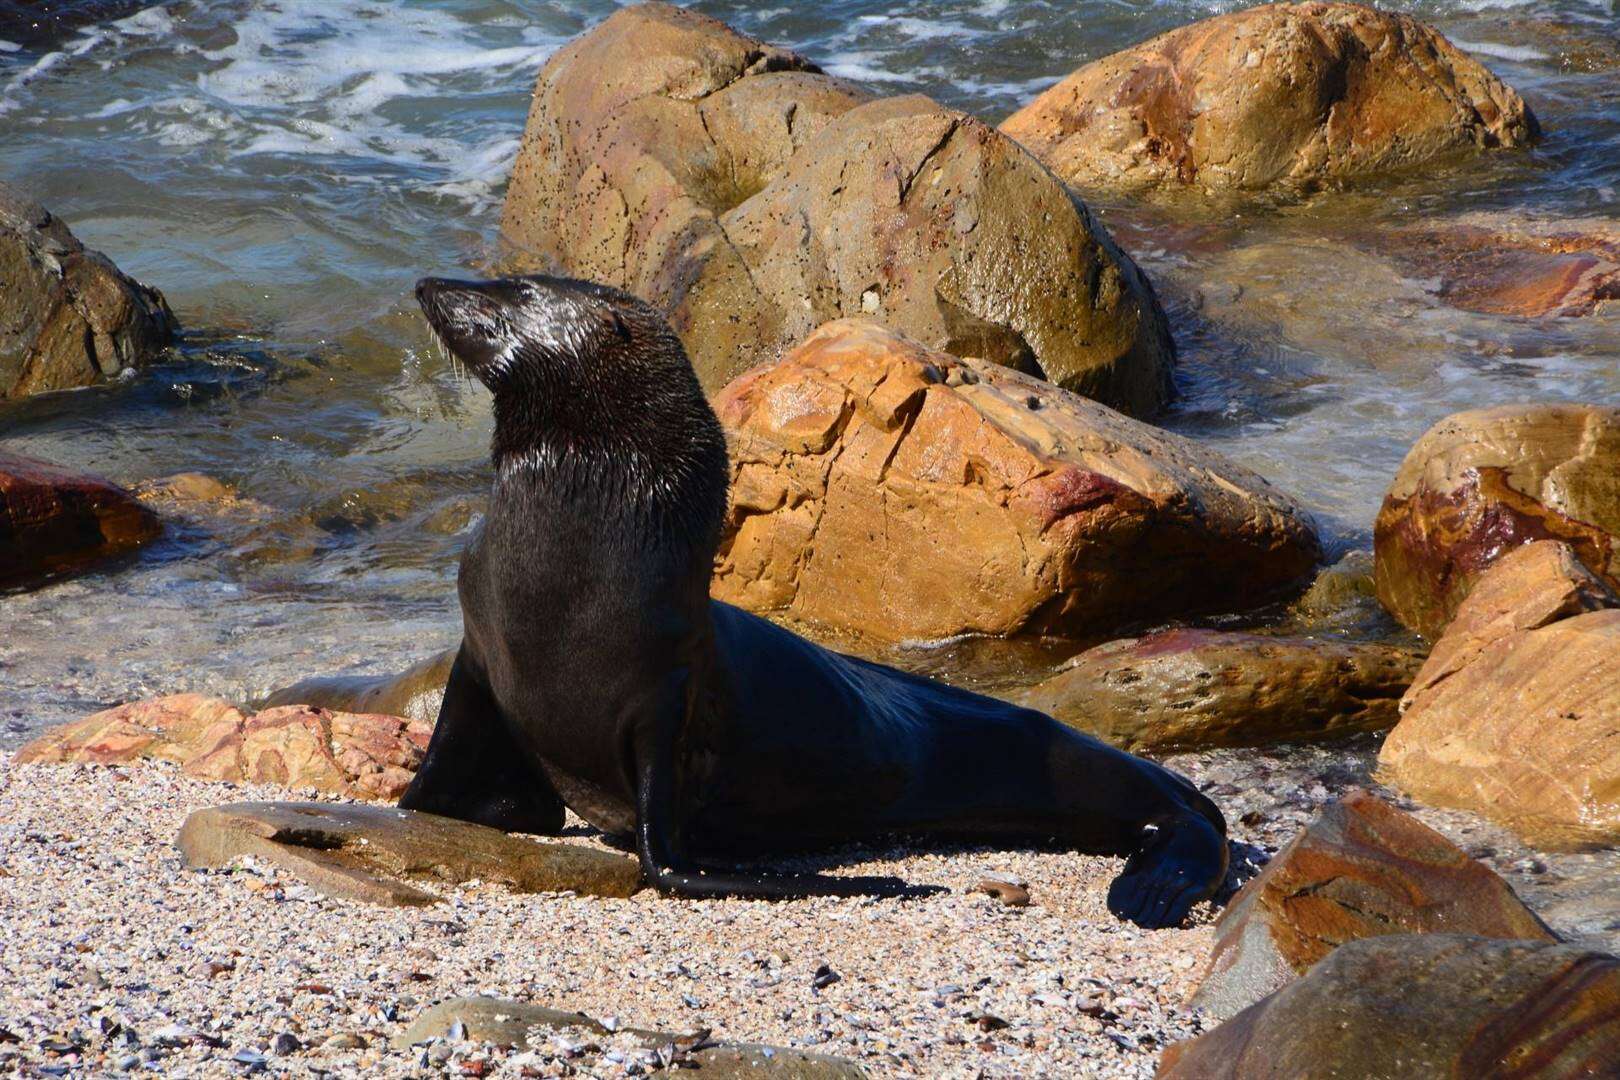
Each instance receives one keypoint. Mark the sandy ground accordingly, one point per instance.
(114, 956)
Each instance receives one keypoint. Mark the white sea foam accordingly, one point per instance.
(1522, 53)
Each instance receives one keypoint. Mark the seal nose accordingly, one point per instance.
(427, 289)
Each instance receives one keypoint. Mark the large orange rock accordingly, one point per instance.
(68, 316)
(1283, 94)
(1424, 1005)
(54, 520)
(1190, 689)
(900, 492)
(363, 756)
(1361, 869)
(1517, 714)
(1483, 482)
(1527, 588)
(752, 198)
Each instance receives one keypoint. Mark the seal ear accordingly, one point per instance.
(617, 324)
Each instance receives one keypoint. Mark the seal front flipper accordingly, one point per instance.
(474, 770)
(660, 836)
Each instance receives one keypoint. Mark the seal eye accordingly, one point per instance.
(617, 324)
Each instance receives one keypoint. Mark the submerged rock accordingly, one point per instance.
(1194, 689)
(68, 316)
(357, 755)
(1278, 95)
(1516, 716)
(1422, 1005)
(381, 855)
(1483, 482)
(37, 25)
(415, 693)
(53, 520)
(899, 492)
(1508, 265)
(511, 1023)
(1361, 869)
(752, 198)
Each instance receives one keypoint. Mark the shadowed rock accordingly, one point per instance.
(68, 317)
(1517, 713)
(53, 520)
(1294, 95)
(1482, 482)
(383, 855)
(37, 24)
(752, 198)
(1361, 869)
(1192, 689)
(890, 489)
(1424, 1005)
(511, 1023)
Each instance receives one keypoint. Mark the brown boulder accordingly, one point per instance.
(1483, 482)
(1361, 869)
(53, 520)
(1292, 95)
(1517, 714)
(752, 198)
(1527, 588)
(68, 317)
(380, 855)
(504, 1022)
(905, 494)
(1423, 1005)
(356, 755)
(1194, 689)
(415, 693)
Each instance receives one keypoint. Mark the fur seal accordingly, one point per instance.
(596, 673)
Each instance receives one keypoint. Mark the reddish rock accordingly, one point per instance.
(1517, 714)
(53, 520)
(1282, 94)
(1193, 689)
(68, 316)
(902, 493)
(1424, 1005)
(1483, 482)
(365, 756)
(752, 198)
(1361, 869)
(1510, 266)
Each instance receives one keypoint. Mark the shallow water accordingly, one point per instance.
(284, 171)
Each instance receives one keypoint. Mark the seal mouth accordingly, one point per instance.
(470, 322)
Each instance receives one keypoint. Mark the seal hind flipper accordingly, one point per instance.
(475, 770)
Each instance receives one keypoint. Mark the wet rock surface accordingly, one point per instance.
(868, 470)
(753, 198)
(415, 693)
(68, 316)
(1294, 95)
(1192, 689)
(1361, 869)
(1467, 1006)
(1504, 265)
(54, 520)
(1482, 482)
(36, 24)
(384, 855)
(517, 1023)
(365, 756)
(1517, 715)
